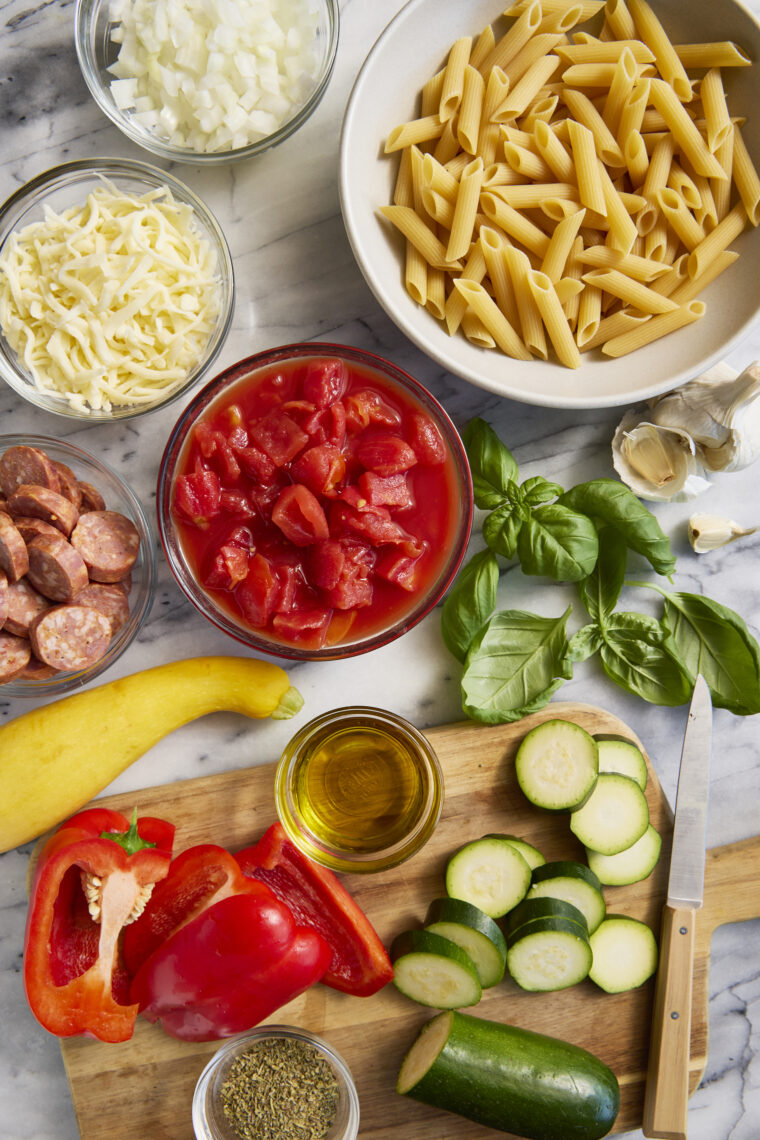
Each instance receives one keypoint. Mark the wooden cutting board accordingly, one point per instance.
(147, 1083)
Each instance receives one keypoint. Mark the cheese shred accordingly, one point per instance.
(111, 303)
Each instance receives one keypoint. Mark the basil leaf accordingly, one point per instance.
(616, 504)
(639, 655)
(469, 603)
(492, 464)
(501, 530)
(538, 490)
(541, 700)
(585, 643)
(601, 590)
(713, 640)
(558, 543)
(512, 661)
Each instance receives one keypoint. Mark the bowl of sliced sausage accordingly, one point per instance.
(76, 566)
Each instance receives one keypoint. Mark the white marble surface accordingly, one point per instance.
(297, 281)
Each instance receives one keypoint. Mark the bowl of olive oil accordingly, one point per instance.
(359, 789)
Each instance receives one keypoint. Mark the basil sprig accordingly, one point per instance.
(515, 661)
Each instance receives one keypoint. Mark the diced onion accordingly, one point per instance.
(113, 302)
(201, 68)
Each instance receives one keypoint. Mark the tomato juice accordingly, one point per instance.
(318, 503)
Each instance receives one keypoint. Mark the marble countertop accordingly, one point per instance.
(297, 280)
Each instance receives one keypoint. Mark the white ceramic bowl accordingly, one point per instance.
(415, 46)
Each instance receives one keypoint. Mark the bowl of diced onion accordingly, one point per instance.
(207, 81)
(116, 289)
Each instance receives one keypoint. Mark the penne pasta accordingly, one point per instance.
(435, 292)
(651, 31)
(746, 178)
(532, 194)
(684, 185)
(590, 189)
(619, 20)
(623, 232)
(524, 161)
(431, 96)
(674, 278)
(560, 245)
(482, 46)
(692, 287)
(493, 246)
(632, 114)
(640, 268)
(453, 78)
(589, 315)
(654, 329)
(413, 133)
(536, 48)
(585, 113)
(438, 178)
(554, 319)
(626, 73)
(456, 302)
(411, 225)
(716, 54)
(527, 87)
(679, 218)
(493, 319)
(623, 321)
(715, 108)
(636, 158)
(470, 110)
(726, 231)
(514, 223)
(554, 154)
(531, 325)
(523, 29)
(721, 190)
(685, 133)
(465, 209)
(475, 331)
(596, 51)
(629, 291)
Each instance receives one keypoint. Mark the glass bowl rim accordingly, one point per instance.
(92, 77)
(177, 438)
(279, 1031)
(69, 681)
(35, 190)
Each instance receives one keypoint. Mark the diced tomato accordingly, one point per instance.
(366, 407)
(374, 524)
(353, 590)
(325, 563)
(289, 576)
(264, 498)
(385, 453)
(242, 537)
(237, 438)
(235, 502)
(229, 566)
(320, 468)
(306, 627)
(213, 446)
(197, 496)
(399, 568)
(299, 516)
(327, 425)
(325, 381)
(425, 440)
(257, 464)
(279, 436)
(386, 490)
(257, 594)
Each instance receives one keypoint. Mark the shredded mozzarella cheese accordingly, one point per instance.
(213, 75)
(111, 303)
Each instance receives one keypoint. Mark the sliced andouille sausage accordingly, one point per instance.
(42, 503)
(29, 528)
(91, 498)
(24, 605)
(22, 464)
(3, 599)
(68, 484)
(14, 655)
(109, 598)
(70, 637)
(108, 542)
(56, 569)
(36, 670)
(14, 559)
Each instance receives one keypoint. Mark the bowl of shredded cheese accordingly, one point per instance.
(207, 81)
(116, 289)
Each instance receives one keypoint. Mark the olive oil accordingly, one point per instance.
(359, 789)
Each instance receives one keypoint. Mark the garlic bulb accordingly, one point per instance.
(721, 412)
(709, 532)
(657, 463)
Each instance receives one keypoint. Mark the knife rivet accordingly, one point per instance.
(683, 930)
(674, 1015)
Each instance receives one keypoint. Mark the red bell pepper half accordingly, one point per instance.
(360, 964)
(215, 953)
(96, 864)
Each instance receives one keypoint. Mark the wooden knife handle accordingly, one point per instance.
(667, 1089)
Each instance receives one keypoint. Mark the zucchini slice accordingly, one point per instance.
(510, 1079)
(530, 854)
(434, 971)
(616, 754)
(556, 765)
(573, 882)
(549, 954)
(476, 933)
(629, 866)
(625, 954)
(531, 909)
(614, 817)
(489, 873)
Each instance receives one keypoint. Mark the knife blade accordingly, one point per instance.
(667, 1087)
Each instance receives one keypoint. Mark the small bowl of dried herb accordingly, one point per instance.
(277, 1082)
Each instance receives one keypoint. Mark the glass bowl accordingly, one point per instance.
(440, 515)
(94, 24)
(119, 497)
(69, 185)
(359, 790)
(209, 1119)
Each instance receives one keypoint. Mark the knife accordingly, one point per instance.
(667, 1088)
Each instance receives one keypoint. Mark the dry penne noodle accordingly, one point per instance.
(554, 153)
(465, 209)
(639, 268)
(531, 325)
(588, 8)
(438, 178)
(623, 321)
(716, 110)
(430, 98)
(494, 320)
(522, 94)
(475, 331)
(585, 113)
(717, 240)
(447, 146)
(679, 218)
(413, 133)
(722, 189)
(411, 225)
(685, 134)
(568, 289)
(721, 53)
(471, 109)
(632, 114)
(676, 276)
(502, 174)
(684, 185)
(456, 303)
(532, 194)
(453, 78)
(514, 223)
(622, 233)
(457, 164)
(493, 246)
(619, 20)
(654, 329)
(651, 31)
(560, 245)
(524, 161)
(692, 287)
(415, 266)
(536, 48)
(629, 291)
(523, 29)
(561, 21)
(706, 212)
(636, 158)
(589, 315)
(541, 111)
(482, 46)
(435, 292)
(590, 190)
(746, 178)
(625, 74)
(554, 319)
(596, 51)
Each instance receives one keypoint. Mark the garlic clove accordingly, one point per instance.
(709, 532)
(658, 463)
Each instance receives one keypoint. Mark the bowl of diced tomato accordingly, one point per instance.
(314, 501)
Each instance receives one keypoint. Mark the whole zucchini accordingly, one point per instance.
(510, 1079)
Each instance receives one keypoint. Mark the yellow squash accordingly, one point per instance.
(56, 758)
